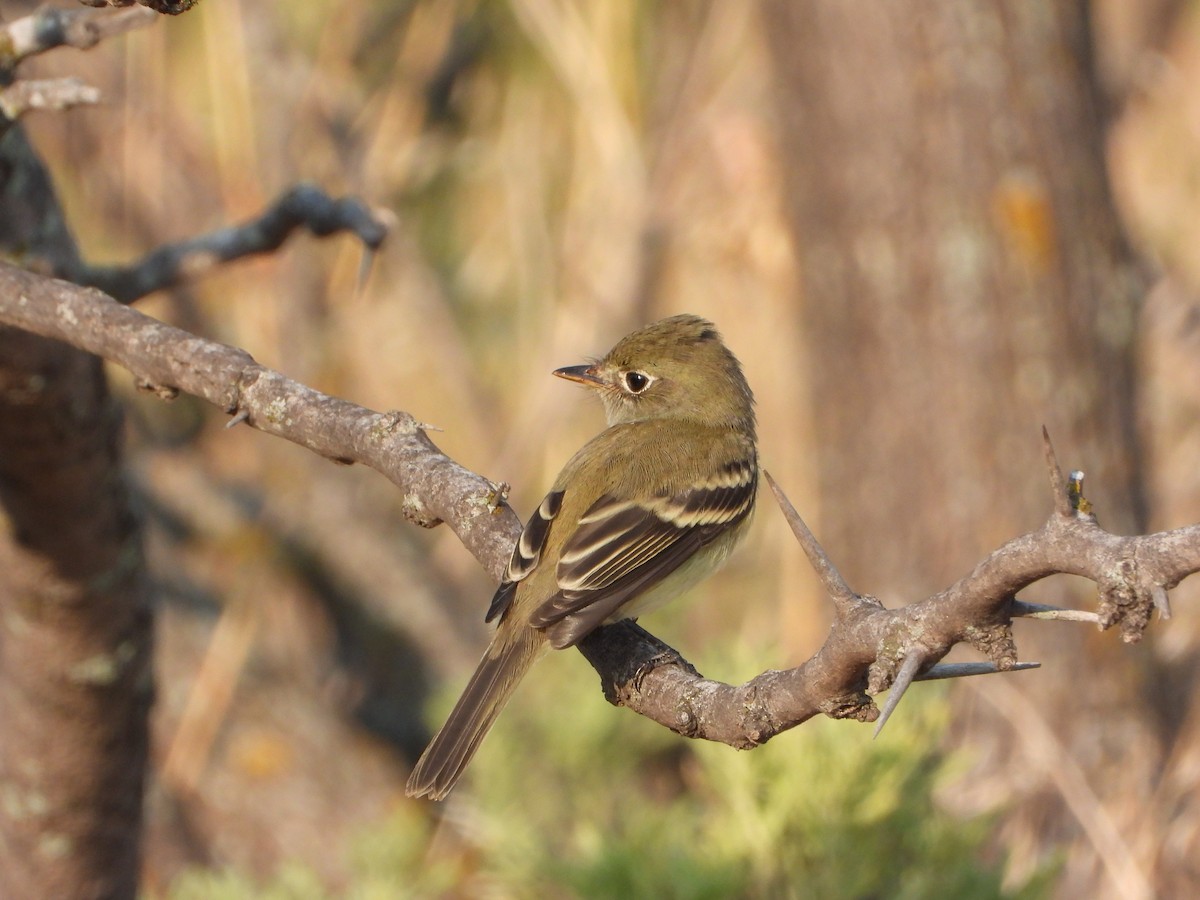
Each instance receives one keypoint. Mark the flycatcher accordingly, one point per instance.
(645, 510)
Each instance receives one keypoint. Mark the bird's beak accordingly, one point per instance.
(585, 375)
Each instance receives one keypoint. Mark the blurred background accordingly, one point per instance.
(926, 233)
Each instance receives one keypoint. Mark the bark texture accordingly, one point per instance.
(964, 276)
(75, 622)
(965, 281)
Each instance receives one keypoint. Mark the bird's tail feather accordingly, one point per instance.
(486, 694)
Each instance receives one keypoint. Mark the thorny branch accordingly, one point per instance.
(302, 206)
(869, 648)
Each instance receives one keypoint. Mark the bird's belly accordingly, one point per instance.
(702, 564)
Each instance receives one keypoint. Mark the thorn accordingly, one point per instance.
(964, 670)
(1062, 504)
(1025, 610)
(425, 426)
(904, 678)
(364, 269)
(242, 415)
(1161, 601)
(835, 585)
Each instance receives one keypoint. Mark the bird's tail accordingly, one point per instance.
(487, 693)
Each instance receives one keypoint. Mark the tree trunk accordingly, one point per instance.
(75, 622)
(965, 281)
(963, 274)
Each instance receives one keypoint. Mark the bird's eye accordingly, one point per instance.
(637, 382)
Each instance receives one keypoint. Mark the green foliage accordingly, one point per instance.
(292, 882)
(571, 798)
(618, 807)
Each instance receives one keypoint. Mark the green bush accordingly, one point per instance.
(572, 798)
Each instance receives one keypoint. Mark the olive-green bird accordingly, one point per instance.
(645, 510)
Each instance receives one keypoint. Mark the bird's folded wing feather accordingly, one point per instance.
(526, 554)
(622, 548)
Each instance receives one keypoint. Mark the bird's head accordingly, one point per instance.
(675, 368)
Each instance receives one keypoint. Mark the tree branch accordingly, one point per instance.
(166, 7)
(301, 206)
(49, 27)
(76, 610)
(867, 646)
(166, 360)
(51, 94)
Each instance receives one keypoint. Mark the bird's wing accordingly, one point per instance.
(622, 548)
(526, 554)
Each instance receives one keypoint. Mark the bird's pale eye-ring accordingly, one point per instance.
(636, 382)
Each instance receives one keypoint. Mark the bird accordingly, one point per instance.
(645, 510)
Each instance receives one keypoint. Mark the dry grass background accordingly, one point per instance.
(559, 173)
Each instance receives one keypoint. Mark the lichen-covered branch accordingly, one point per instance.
(53, 94)
(867, 646)
(167, 359)
(50, 27)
